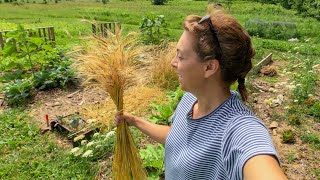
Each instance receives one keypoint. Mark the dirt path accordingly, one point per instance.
(270, 103)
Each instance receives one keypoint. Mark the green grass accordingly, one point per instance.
(26, 154)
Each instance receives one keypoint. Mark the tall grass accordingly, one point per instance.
(162, 73)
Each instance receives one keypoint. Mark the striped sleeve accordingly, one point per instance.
(244, 138)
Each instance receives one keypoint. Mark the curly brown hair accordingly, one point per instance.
(220, 36)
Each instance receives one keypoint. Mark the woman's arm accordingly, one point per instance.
(263, 167)
(156, 132)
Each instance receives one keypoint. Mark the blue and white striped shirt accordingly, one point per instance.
(215, 146)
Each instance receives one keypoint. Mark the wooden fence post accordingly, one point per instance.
(1, 41)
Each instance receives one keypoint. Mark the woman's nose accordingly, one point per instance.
(174, 62)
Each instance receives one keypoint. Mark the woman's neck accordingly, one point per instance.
(208, 99)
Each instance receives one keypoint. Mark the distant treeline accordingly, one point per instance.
(309, 8)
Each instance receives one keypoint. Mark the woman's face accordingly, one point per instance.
(189, 68)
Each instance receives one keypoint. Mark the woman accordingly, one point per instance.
(213, 134)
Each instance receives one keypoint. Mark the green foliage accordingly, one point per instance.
(312, 139)
(161, 113)
(18, 92)
(99, 147)
(272, 30)
(27, 154)
(288, 136)
(154, 29)
(153, 160)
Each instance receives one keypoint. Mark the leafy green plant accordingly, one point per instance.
(153, 160)
(18, 92)
(56, 77)
(25, 52)
(154, 29)
(161, 113)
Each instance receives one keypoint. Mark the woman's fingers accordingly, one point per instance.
(124, 117)
(116, 120)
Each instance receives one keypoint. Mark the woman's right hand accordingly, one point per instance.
(122, 116)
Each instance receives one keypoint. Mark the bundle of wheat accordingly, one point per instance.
(137, 101)
(109, 64)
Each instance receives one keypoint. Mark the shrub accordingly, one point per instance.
(154, 29)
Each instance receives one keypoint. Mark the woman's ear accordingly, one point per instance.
(211, 67)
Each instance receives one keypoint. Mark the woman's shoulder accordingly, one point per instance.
(187, 98)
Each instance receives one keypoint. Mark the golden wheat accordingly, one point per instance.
(109, 64)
